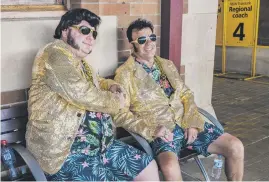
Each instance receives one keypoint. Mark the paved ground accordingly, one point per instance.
(243, 108)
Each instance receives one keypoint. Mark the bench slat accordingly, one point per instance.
(14, 112)
(16, 136)
(10, 125)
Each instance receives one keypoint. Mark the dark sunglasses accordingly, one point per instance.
(86, 30)
(143, 39)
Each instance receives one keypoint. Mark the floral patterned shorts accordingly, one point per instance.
(96, 156)
(120, 163)
(204, 139)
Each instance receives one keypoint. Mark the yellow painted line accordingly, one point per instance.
(258, 46)
(219, 74)
(251, 78)
(263, 47)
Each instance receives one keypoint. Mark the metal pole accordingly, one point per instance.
(254, 50)
(225, 3)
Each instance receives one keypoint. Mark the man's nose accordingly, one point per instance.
(149, 41)
(90, 37)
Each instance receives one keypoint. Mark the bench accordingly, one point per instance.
(13, 126)
(185, 154)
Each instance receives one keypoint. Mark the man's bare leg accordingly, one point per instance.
(150, 173)
(168, 161)
(233, 151)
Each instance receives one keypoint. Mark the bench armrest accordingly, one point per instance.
(30, 161)
(211, 118)
(143, 142)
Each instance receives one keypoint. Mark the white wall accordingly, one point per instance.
(198, 49)
(24, 33)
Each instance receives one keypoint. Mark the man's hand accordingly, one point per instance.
(164, 134)
(115, 89)
(191, 135)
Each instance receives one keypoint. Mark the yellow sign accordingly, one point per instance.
(240, 22)
(219, 35)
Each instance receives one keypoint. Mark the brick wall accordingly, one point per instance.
(126, 11)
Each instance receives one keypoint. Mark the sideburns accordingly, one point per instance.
(71, 41)
(135, 48)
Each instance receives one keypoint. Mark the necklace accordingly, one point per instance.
(87, 71)
(162, 77)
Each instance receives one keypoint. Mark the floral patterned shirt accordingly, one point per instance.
(155, 74)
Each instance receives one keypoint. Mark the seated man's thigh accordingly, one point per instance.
(159, 146)
(204, 139)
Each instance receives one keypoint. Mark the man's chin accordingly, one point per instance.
(151, 54)
(87, 52)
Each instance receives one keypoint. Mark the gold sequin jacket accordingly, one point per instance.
(60, 94)
(147, 105)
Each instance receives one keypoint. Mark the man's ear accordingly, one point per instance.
(64, 33)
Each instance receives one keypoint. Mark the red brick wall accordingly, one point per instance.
(126, 11)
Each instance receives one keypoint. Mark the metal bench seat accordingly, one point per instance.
(13, 127)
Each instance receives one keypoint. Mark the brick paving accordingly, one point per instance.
(243, 108)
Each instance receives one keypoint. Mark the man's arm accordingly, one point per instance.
(64, 79)
(191, 117)
(105, 84)
(127, 119)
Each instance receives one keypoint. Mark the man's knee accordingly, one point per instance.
(235, 148)
(168, 161)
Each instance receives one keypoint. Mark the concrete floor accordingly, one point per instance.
(243, 108)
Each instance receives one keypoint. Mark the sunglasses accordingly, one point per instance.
(143, 39)
(86, 30)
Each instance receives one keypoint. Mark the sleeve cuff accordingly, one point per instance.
(194, 121)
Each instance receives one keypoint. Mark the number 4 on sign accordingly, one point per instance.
(239, 31)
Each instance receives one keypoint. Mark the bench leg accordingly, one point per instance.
(202, 168)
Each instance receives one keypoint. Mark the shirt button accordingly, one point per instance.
(170, 105)
(78, 114)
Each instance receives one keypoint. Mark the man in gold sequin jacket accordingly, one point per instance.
(161, 108)
(70, 128)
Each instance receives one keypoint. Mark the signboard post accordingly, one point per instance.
(220, 22)
(254, 50)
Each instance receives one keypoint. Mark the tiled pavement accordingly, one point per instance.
(243, 108)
